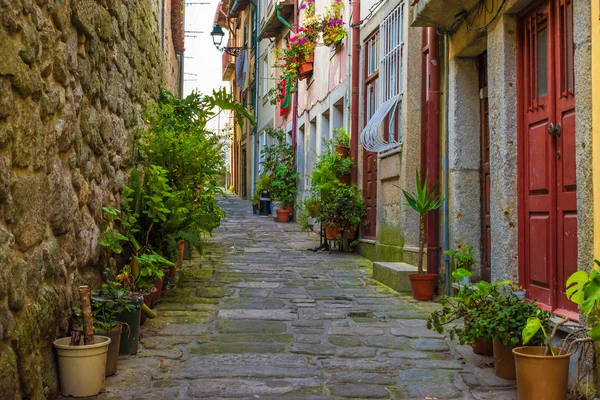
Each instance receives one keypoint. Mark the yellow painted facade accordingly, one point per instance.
(596, 120)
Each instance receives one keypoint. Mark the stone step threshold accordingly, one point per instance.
(394, 274)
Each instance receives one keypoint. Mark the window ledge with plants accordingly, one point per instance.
(295, 61)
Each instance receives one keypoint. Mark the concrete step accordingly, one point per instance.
(394, 274)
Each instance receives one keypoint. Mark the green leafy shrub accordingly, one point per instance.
(193, 156)
(485, 311)
(279, 169)
(463, 257)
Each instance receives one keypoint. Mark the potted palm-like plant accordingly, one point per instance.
(423, 201)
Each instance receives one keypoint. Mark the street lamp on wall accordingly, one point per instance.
(217, 36)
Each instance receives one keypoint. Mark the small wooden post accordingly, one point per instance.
(86, 311)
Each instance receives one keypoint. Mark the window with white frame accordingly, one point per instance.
(371, 74)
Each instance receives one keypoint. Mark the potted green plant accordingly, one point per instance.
(423, 201)
(342, 142)
(462, 258)
(543, 371)
(82, 358)
(279, 173)
(517, 290)
(333, 27)
(284, 186)
(509, 316)
(475, 307)
(342, 210)
(110, 303)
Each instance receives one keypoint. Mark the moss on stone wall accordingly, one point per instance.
(389, 245)
(73, 77)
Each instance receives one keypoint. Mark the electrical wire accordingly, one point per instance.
(482, 11)
(372, 10)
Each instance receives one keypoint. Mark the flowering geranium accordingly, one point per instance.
(333, 26)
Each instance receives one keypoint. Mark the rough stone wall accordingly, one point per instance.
(171, 72)
(582, 36)
(464, 155)
(502, 76)
(73, 76)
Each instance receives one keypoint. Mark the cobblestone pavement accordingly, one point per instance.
(259, 316)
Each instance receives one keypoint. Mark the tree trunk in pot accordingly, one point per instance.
(86, 311)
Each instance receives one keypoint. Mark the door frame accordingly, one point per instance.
(521, 184)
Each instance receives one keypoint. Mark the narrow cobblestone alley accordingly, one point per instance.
(259, 316)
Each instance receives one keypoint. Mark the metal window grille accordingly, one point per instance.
(384, 95)
(392, 45)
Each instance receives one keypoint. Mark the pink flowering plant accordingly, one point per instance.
(333, 27)
(301, 47)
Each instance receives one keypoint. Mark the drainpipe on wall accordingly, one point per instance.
(355, 49)
(256, 94)
(295, 96)
(281, 19)
(348, 122)
(433, 148)
(445, 209)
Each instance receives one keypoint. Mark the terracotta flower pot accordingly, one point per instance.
(306, 67)
(540, 376)
(423, 286)
(331, 233)
(343, 151)
(504, 360)
(148, 298)
(172, 273)
(158, 285)
(350, 233)
(283, 215)
(484, 347)
(181, 244)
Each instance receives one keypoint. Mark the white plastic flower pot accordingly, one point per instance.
(81, 368)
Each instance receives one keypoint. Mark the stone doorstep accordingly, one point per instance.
(394, 275)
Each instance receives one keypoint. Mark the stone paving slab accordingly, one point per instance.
(259, 316)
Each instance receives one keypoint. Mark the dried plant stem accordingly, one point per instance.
(86, 311)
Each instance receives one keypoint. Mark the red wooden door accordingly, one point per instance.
(369, 231)
(486, 241)
(548, 213)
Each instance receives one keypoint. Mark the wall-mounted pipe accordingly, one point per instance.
(280, 17)
(254, 156)
(446, 166)
(433, 148)
(355, 68)
(295, 96)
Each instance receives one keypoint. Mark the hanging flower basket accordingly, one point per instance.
(306, 67)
